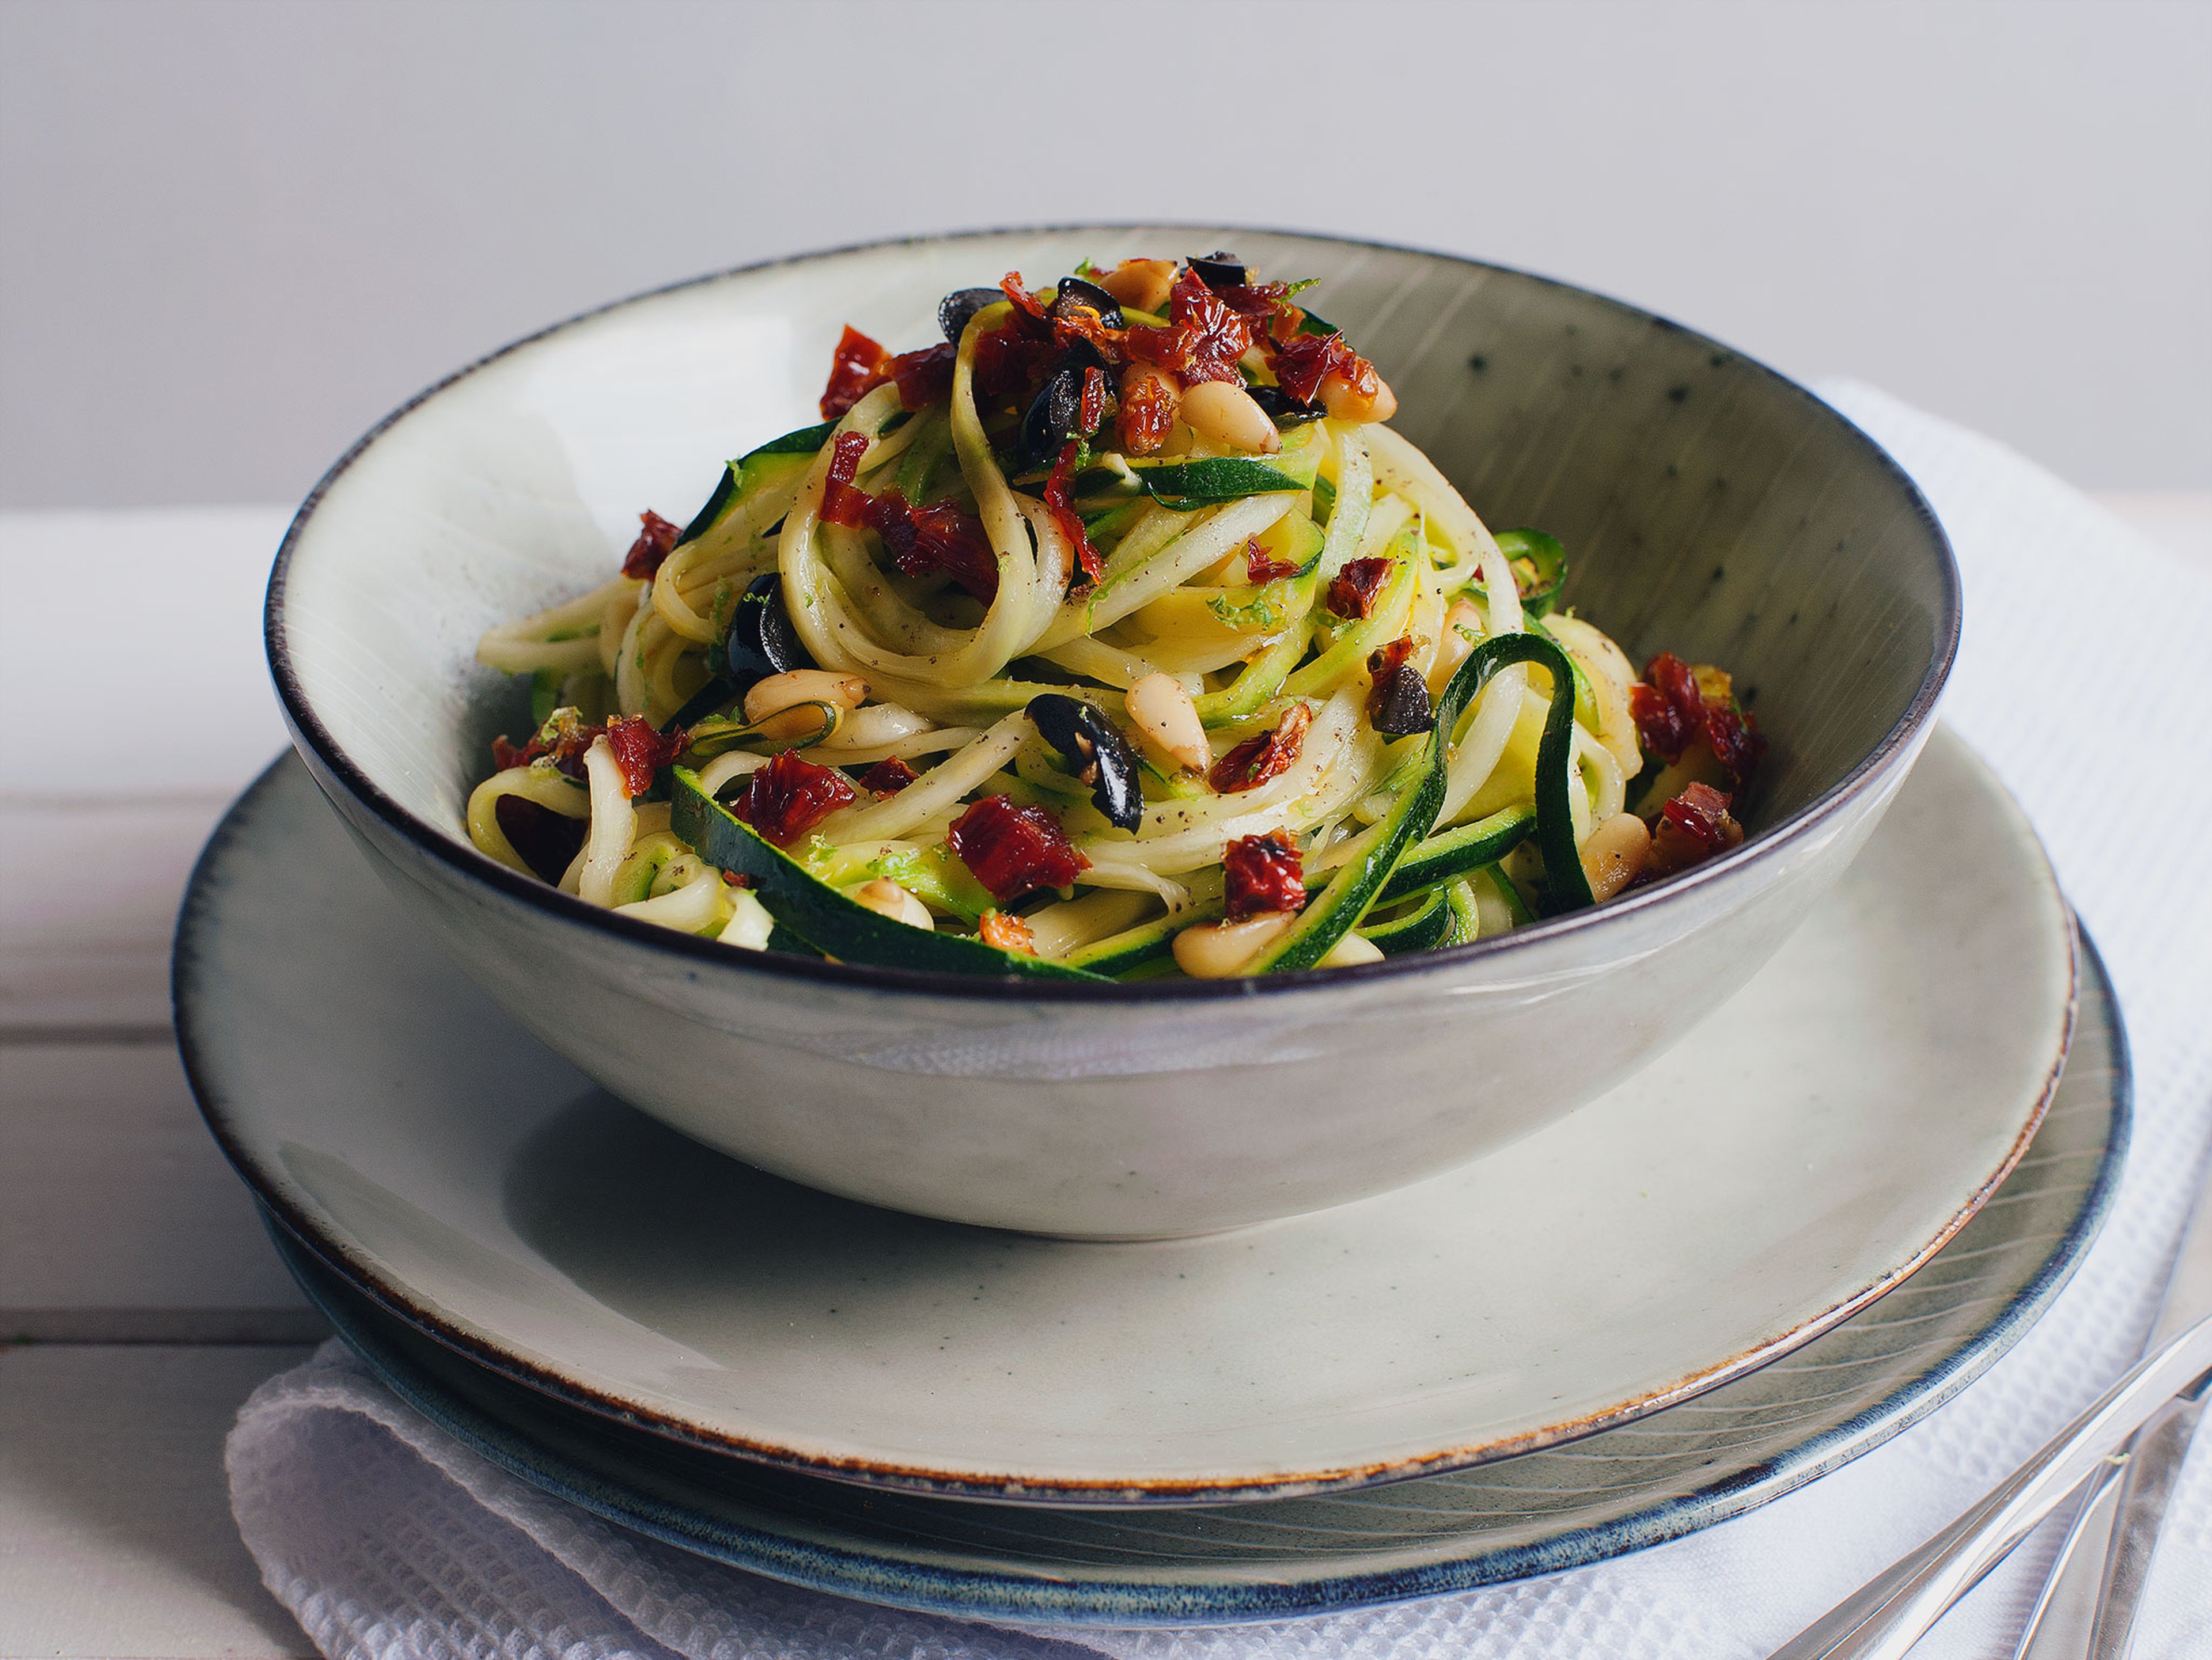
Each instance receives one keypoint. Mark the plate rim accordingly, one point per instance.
(1038, 1600)
(272, 1188)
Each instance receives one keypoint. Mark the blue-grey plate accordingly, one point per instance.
(1794, 1159)
(1621, 1489)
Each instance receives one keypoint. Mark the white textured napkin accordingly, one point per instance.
(2085, 677)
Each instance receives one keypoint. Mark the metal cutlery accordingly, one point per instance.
(1893, 1611)
(2090, 1600)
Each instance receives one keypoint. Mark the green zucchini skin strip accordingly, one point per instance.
(825, 918)
(731, 484)
(1465, 920)
(1502, 885)
(805, 441)
(1147, 944)
(1550, 560)
(1183, 484)
(1419, 791)
(1425, 930)
(1456, 851)
(724, 498)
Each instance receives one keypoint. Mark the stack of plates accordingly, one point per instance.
(1823, 1213)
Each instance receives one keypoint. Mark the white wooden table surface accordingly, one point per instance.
(139, 1302)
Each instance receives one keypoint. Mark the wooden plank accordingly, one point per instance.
(92, 888)
(114, 1199)
(115, 1530)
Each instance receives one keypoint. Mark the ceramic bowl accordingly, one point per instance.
(1710, 506)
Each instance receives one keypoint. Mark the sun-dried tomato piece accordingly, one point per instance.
(505, 756)
(1216, 336)
(1148, 410)
(1692, 828)
(1007, 932)
(1203, 338)
(1090, 409)
(856, 368)
(641, 750)
(842, 504)
(1302, 363)
(1075, 328)
(922, 541)
(564, 737)
(547, 841)
(888, 776)
(1265, 307)
(1014, 850)
(1256, 760)
(923, 376)
(1261, 567)
(1672, 711)
(736, 879)
(1352, 591)
(1736, 744)
(1386, 660)
(1261, 873)
(1024, 303)
(1062, 508)
(654, 540)
(1012, 360)
(789, 797)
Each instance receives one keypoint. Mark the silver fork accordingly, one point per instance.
(1892, 1611)
(2089, 1602)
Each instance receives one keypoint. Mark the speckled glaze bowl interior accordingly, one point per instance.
(1710, 507)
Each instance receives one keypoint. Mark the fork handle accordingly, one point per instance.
(1891, 1613)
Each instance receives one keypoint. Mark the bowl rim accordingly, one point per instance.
(329, 758)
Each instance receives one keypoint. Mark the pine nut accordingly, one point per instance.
(885, 723)
(1227, 415)
(1142, 284)
(1345, 403)
(1353, 948)
(887, 898)
(1615, 855)
(1167, 718)
(1214, 950)
(771, 697)
(780, 692)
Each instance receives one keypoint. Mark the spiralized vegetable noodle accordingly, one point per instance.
(1117, 635)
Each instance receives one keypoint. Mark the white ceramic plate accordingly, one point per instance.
(1622, 1489)
(1799, 1153)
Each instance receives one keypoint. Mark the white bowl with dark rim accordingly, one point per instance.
(1709, 506)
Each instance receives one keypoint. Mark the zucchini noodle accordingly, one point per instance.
(1032, 660)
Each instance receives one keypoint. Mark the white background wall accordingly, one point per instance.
(233, 234)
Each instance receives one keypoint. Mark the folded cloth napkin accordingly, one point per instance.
(2085, 677)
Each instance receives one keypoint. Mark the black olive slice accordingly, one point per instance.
(761, 641)
(1281, 408)
(1096, 752)
(1074, 291)
(1400, 706)
(1219, 270)
(1051, 419)
(958, 308)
